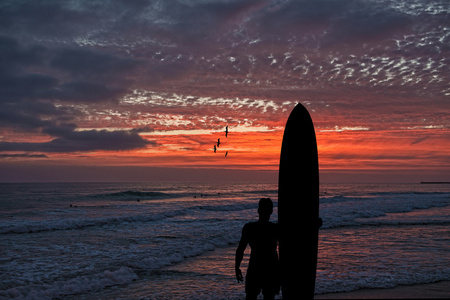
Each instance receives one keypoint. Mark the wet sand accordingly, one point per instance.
(438, 290)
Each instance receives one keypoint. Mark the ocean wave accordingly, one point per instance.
(226, 207)
(407, 193)
(73, 286)
(33, 226)
(131, 195)
(197, 227)
(336, 198)
(133, 267)
(406, 223)
(389, 223)
(381, 280)
(340, 211)
(263, 192)
(21, 226)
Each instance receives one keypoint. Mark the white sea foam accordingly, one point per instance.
(341, 211)
(73, 286)
(50, 249)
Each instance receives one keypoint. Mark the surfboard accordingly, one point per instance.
(298, 206)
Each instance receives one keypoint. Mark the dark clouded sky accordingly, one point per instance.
(150, 85)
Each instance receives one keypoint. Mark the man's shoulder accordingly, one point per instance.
(250, 224)
(256, 224)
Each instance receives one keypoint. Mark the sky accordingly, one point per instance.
(141, 90)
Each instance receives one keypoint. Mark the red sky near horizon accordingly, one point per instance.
(154, 84)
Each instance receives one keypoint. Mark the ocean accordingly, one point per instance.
(177, 240)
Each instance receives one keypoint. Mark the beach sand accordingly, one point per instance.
(438, 290)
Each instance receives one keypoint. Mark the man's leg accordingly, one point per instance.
(251, 296)
(269, 296)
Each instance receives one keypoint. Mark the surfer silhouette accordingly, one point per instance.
(263, 268)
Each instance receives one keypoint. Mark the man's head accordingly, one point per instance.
(265, 208)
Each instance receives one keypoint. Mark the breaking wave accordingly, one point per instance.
(132, 195)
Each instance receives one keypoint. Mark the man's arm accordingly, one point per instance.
(240, 255)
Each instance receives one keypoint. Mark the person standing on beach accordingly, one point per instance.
(263, 268)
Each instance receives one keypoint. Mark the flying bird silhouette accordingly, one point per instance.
(215, 149)
(226, 154)
(226, 131)
(218, 142)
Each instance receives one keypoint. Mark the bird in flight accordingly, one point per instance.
(218, 142)
(226, 131)
(226, 154)
(215, 149)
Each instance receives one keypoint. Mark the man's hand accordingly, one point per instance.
(239, 276)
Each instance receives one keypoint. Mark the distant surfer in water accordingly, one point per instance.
(263, 268)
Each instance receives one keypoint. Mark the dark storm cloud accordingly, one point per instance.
(366, 22)
(87, 92)
(202, 18)
(169, 19)
(46, 72)
(24, 155)
(61, 130)
(175, 21)
(12, 56)
(305, 11)
(34, 78)
(76, 141)
(332, 21)
(23, 116)
(24, 99)
(16, 59)
(96, 76)
(26, 86)
(81, 62)
(46, 18)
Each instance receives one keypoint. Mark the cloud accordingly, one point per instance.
(23, 155)
(81, 62)
(57, 19)
(20, 117)
(81, 141)
(305, 11)
(13, 55)
(55, 66)
(26, 86)
(87, 92)
(324, 23)
(25, 102)
(66, 65)
(365, 20)
(35, 79)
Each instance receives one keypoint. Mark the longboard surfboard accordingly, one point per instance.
(298, 206)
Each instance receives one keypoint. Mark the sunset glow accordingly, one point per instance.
(155, 84)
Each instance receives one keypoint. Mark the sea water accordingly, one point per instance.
(177, 240)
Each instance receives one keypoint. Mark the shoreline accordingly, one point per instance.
(436, 290)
